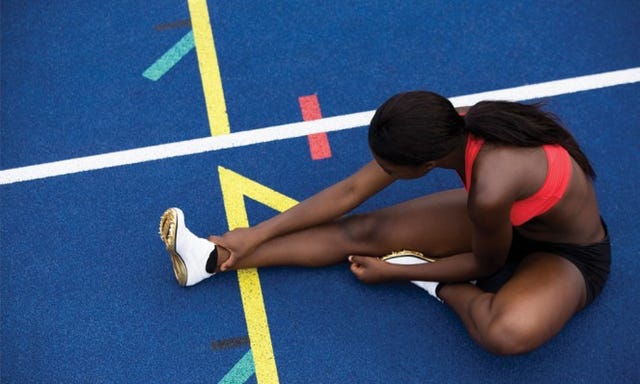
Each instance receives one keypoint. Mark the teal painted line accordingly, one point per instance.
(170, 58)
(241, 372)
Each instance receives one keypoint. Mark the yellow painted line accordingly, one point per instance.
(234, 189)
(209, 69)
(257, 325)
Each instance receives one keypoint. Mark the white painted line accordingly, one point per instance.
(299, 129)
(554, 88)
(183, 148)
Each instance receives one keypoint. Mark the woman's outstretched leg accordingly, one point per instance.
(436, 225)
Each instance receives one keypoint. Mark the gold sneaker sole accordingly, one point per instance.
(406, 252)
(168, 229)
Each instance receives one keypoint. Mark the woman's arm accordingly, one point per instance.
(491, 196)
(492, 236)
(323, 207)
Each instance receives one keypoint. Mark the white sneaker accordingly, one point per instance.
(189, 253)
(405, 257)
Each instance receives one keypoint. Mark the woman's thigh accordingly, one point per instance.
(437, 225)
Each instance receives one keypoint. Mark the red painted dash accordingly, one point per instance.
(318, 142)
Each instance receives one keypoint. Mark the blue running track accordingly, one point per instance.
(87, 293)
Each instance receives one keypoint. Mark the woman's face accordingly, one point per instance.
(405, 172)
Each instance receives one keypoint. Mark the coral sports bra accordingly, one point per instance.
(552, 190)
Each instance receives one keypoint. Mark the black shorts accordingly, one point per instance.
(592, 260)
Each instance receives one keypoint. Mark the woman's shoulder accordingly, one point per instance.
(503, 174)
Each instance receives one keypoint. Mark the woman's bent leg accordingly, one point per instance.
(531, 308)
(437, 225)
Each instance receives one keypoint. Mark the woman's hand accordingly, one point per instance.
(371, 270)
(239, 242)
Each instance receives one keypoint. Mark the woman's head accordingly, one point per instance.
(413, 128)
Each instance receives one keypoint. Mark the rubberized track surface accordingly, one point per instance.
(87, 291)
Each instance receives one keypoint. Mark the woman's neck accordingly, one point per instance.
(455, 159)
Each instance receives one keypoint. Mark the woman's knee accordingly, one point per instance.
(360, 228)
(512, 334)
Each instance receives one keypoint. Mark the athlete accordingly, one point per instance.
(515, 254)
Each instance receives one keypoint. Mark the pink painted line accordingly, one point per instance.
(318, 142)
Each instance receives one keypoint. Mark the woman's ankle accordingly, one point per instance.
(216, 258)
(223, 256)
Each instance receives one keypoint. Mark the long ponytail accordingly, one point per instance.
(524, 125)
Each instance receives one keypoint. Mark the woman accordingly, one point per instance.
(527, 227)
